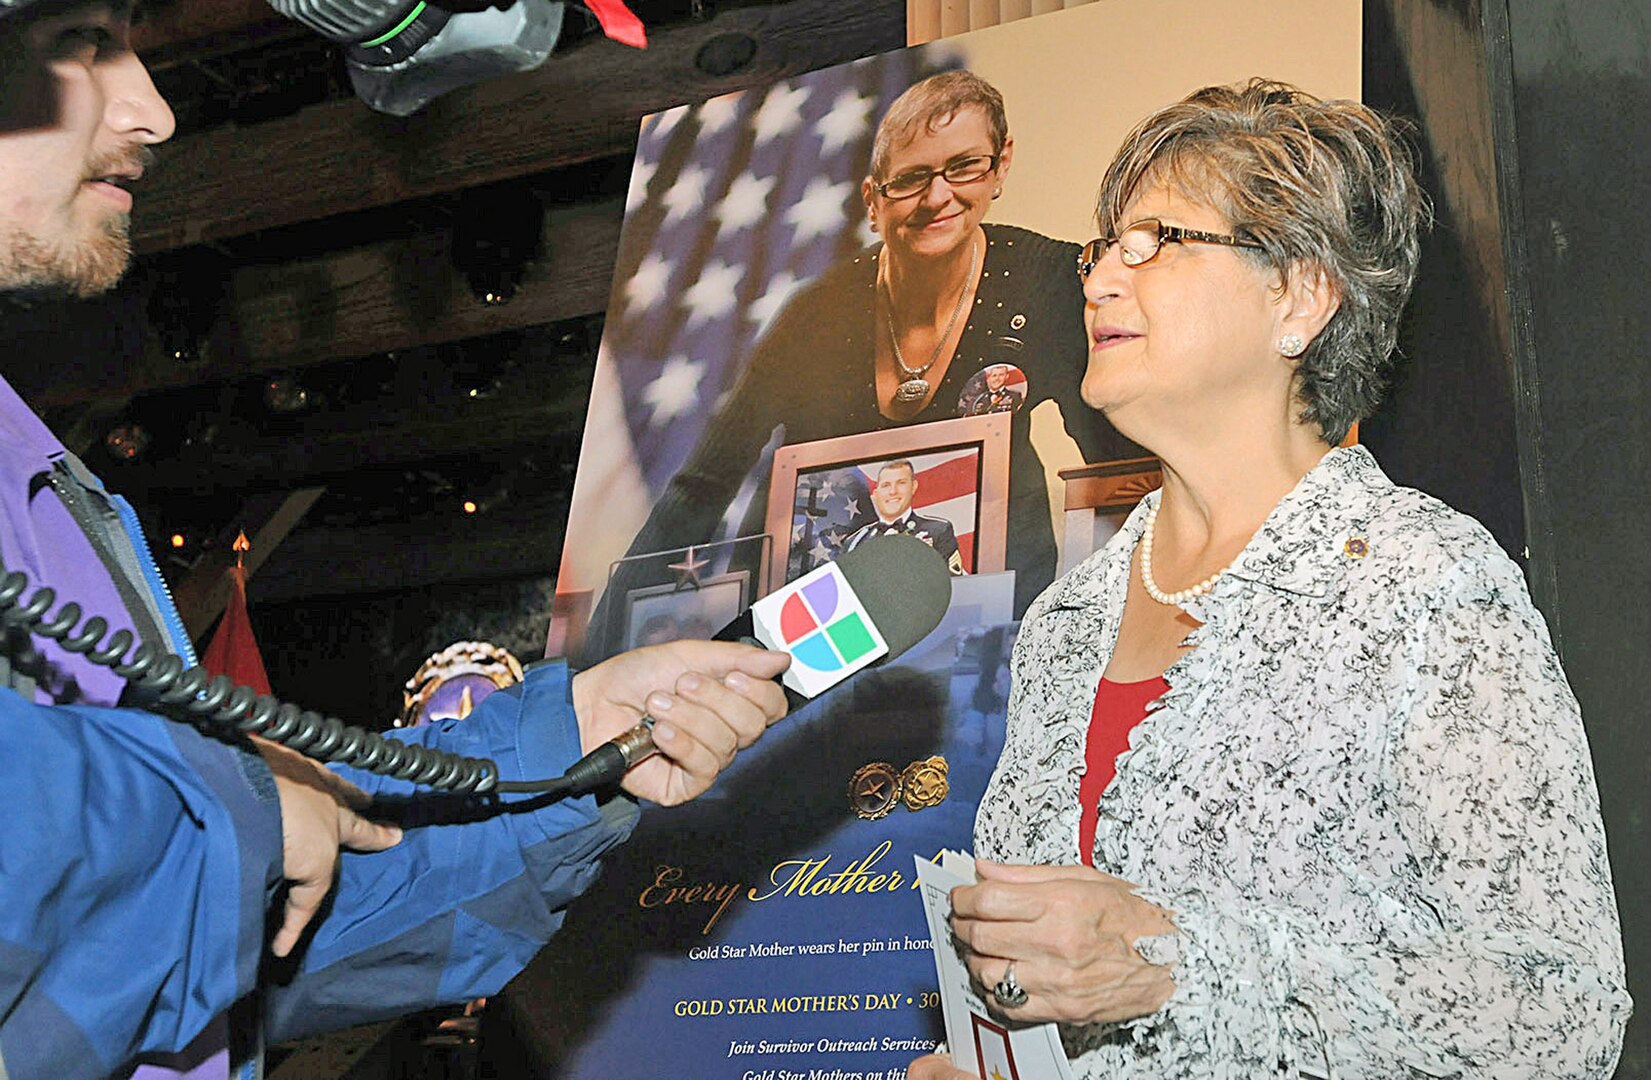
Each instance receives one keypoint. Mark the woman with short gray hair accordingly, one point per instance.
(905, 332)
(1293, 783)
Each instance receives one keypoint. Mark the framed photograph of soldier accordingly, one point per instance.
(946, 483)
(655, 614)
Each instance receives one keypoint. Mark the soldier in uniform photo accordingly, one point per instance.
(995, 395)
(896, 487)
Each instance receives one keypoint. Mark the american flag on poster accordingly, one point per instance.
(833, 504)
(734, 203)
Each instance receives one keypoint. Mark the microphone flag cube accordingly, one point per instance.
(823, 625)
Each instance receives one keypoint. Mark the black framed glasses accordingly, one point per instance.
(1140, 243)
(966, 170)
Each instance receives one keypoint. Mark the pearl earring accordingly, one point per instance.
(1291, 345)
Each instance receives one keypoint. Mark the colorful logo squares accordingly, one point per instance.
(814, 637)
(822, 624)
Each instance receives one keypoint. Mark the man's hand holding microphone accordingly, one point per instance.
(708, 699)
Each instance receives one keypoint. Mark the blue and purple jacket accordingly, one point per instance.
(138, 858)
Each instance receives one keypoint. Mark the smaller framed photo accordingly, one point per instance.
(1098, 499)
(655, 614)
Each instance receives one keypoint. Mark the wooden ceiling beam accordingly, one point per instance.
(392, 295)
(177, 31)
(534, 407)
(522, 538)
(341, 156)
(406, 293)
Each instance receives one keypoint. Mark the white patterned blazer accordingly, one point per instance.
(1367, 798)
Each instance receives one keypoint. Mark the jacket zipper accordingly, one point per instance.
(157, 582)
(75, 500)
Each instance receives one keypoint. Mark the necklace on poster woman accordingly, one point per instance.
(913, 386)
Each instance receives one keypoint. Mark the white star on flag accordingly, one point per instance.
(797, 533)
(820, 552)
(853, 505)
(667, 122)
(827, 489)
(820, 210)
(648, 283)
(765, 307)
(641, 173)
(781, 112)
(845, 122)
(686, 194)
(745, 204)
(713, 295)
(718, 113)
(675, 391)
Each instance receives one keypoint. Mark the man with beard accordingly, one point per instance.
(133, 846)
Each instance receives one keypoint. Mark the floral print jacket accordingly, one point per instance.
(1367, 798)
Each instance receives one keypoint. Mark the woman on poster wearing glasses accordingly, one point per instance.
(1293, 782)
(905, 332)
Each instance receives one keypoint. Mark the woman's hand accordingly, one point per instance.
(1070, 933)
(937, 1067)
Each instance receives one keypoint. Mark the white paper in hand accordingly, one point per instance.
(989, 1047)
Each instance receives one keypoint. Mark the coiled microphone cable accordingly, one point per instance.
(219, 707)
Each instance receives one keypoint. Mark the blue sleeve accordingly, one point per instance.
(455, 910)
(136, 860)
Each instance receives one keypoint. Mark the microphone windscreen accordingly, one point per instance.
(904, 584)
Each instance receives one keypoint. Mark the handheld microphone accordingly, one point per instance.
(900, 584)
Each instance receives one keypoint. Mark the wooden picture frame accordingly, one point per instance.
(655, 614)
(1098, 499)
(970, 454)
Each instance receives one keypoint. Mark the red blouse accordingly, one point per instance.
(1118, 708)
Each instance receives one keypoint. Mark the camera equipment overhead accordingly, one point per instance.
(401, 54)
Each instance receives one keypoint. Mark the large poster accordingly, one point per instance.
(809, 344)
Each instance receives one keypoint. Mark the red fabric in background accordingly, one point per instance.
(234, 651)
(1118, 708)
(618, 22)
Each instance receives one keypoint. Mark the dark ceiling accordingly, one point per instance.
(402, 313)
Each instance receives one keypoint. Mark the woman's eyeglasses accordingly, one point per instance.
(1140, 243)
(962, 171)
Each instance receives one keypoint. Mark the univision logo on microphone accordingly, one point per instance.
(823, 625)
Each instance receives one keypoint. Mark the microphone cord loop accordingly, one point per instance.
(218, 706)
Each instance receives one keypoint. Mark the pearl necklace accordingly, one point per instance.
(1173, 599)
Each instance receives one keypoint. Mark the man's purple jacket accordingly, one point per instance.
(139, 859)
